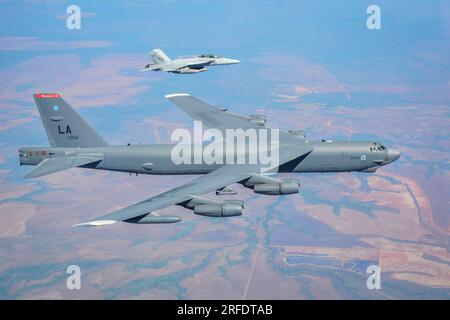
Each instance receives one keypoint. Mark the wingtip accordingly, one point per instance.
(95, 223)
(173, 95)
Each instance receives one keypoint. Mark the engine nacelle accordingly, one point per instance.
(229, 208)
(189, 70)
(258, 119)
(281, 188)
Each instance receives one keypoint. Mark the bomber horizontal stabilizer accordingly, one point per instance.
(52, 165)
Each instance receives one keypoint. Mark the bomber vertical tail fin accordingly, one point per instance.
(63, 125)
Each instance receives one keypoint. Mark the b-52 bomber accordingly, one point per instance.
(185, 65)
(73, 143)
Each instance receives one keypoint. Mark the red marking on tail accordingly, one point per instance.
(46, 95)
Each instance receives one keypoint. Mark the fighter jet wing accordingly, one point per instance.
(52, 165)
(219, 178)
(176, 66)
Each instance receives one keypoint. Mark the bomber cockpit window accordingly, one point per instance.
(23, 154)
(377, 147)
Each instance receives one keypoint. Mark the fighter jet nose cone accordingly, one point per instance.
(231, 61)
(393, 155)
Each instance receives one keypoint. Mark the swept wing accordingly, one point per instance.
(290, 149)
(52, 165)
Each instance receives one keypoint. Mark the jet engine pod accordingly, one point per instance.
(190, 70)
(229, 208)
(258, 119)
(280, 188)
(237, 202)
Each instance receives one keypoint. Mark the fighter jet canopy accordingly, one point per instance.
(209, 56)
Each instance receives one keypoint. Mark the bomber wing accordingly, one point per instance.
(216, 179)
(219, 178)
(219, 118)
(211, 117)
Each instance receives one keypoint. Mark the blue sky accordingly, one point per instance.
(309, 65)
(323, 48)
(333, 33)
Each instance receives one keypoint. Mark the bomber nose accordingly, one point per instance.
(392, 155)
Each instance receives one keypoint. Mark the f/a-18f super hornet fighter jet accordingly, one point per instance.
(161, 62)
(73, 143)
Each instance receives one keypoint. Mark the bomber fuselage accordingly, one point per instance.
(326, 156)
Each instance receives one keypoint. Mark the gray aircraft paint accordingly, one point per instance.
(187, 65)
(327, 156)
(60, 119)
(81, 146)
